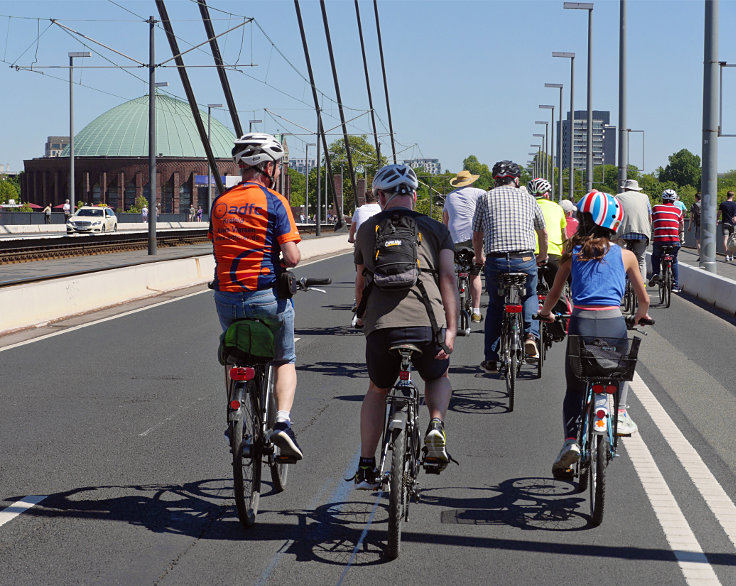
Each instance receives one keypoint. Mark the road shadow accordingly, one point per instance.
(345, 330)
(478, 401)
(341, 369)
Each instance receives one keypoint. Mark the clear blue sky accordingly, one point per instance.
(464, 77)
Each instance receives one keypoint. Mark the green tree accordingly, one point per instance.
(140, 203)
(8, 190)
(298, 183)
(472, 164)
(683, 169)
(365, 164)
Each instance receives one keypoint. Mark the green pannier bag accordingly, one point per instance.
(246, 342)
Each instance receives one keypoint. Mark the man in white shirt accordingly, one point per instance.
(457, 215)
(368, 209)
(67, 210)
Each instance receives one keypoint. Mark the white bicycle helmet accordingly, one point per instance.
(256, 148)
(539, 186)
(669, 195)
(397, 179)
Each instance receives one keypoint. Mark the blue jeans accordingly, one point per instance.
(530, 301)
(657, 260)
(264, 305)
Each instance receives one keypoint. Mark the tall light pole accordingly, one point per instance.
(709, 180)
(72, 55)
(559, 140)
(252, 122)
(628, 133)
(571, 133)
(623, 149)
(306, 163)
(545, 171)
(552, 147)
(533, 164)
(589, 153)
(538, 157)
(209, 169)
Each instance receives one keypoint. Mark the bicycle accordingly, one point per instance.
(251, 413)
(666, 277)
(603, 364)
(401, 437)
(463, 265)
(630, 302)
(511, 348)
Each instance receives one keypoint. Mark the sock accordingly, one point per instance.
(283, 417)
(367, 463)
(476, 310)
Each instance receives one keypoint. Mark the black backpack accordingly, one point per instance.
(396, 264)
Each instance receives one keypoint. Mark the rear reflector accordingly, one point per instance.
(242, 373)
(513, 309)
(404, 375)
(601, 413)
(610, 389)
(597, 388)
(234, 404)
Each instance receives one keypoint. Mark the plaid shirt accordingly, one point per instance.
(508, 217)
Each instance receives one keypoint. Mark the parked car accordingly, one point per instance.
(92, 219)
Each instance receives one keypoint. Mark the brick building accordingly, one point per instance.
(111, 159)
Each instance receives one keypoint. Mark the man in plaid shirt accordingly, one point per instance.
(503, 238)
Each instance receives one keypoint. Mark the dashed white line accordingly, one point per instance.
(18, 507)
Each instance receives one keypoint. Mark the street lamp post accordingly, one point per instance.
(538, 157)
(306, 191)
(546, 145)
(72, 55)
(559, 140)
(571, 163)
(589, 153)
(533, 163)
(552, 147)
(252, 122)
(628, 135)
(209, 169)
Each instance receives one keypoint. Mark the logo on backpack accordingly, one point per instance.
(396, 252)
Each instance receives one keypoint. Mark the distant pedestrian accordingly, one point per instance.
(572, 222)
(369, 209)
(727, 213)
(47, 213)
(67, 210)
(144, 213)
(199, 214)
(192, 212)
(158, 210)
(695, 220)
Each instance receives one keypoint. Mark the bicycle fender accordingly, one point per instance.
(397, 423)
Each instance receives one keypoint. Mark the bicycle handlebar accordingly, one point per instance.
(304, 283)
(642, 322)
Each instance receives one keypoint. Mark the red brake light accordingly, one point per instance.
(610, 389)
(234, 404)
(242, 373)
(404, 375)
(601, 413)
(513, 309)
(597, 388)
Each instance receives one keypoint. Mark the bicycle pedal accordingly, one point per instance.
(433, 465)
(285, 460)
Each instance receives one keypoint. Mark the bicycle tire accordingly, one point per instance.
(584, 439)
(247, 449)
(279, 472)
(597, 484)
(542, 348)
(513, 367)
(464, 328)
(662, 291)
(668, 285)
(397, 493)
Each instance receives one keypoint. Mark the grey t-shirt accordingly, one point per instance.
(460, 207)
(396, 309)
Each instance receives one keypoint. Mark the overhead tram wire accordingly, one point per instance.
(328, 164)
(220, 69)
(339, 104)
(368, 83)
(385, 82)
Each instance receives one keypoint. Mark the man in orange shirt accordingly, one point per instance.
(251, 225)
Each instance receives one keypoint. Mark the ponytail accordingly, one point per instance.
(594, 240)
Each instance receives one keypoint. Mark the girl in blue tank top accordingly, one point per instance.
(598, 269)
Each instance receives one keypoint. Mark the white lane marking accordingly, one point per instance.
(712, 492)
(18, 507)
(123, 314)
(169, 418)
(691, 559)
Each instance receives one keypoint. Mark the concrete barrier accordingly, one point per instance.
(29, 305)
(61, 228)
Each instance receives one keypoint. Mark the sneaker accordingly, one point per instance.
(476, 317)
(435, 441)
(283, 437)
(366, 478)
(489, 366)
(625, 425)
(569, 454)
(654, 281)
(676, 289)
(530, 347)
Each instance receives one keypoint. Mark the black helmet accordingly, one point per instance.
(505, 169)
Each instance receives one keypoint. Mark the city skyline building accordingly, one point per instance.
(604, 139)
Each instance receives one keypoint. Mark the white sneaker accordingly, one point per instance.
(569, 454)
(625, 425)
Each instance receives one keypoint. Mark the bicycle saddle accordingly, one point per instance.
(513, 278)
(410, 347)
(464, 255)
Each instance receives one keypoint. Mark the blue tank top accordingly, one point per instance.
(598, 282)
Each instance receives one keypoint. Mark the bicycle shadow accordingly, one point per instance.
(478, 401)
(328, 331)
(341, 369)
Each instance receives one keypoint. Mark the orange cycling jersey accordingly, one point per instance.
(248, 223)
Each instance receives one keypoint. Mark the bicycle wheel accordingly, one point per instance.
(542, 348)
(662, 290)
(398, 492)
(584, 439)
(279, 472)
(668, 285)
(464, 328)
(597, 484)
(247, 447)
(514, 343)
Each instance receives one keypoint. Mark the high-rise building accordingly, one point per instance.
(431, 166)
(604, 139)
(54, 145)
(301, 165)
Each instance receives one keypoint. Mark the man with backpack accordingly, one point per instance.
(406, 292)
(695, 210)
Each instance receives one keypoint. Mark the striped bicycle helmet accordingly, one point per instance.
(538, 187)
(605, 209)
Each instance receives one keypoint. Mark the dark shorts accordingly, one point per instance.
(384, 366)
(474, 268)
(726, 229)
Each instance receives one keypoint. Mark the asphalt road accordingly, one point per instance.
(119, 426)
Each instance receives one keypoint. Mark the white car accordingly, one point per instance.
(92, 219)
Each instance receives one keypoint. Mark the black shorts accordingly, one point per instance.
(726, 229)
(384, 366)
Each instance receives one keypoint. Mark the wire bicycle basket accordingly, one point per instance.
(595, 357)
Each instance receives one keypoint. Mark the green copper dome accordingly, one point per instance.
(123, 132)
